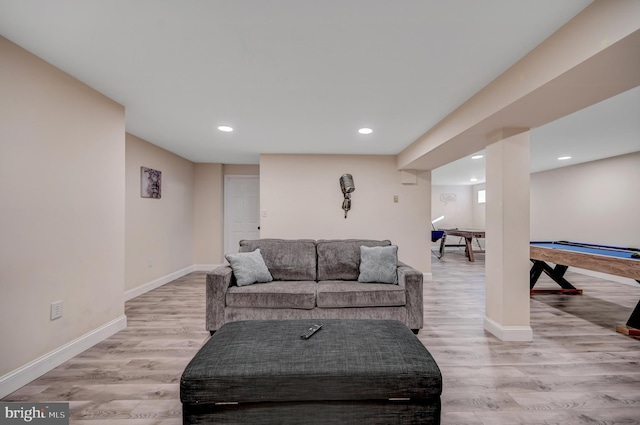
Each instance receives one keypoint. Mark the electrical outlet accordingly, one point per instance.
(56, 310)
(395, 199)
(149, 263)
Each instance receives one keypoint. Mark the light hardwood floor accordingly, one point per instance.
(577, 370)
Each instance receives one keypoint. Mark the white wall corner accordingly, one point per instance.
(508, 333)
(22, 376)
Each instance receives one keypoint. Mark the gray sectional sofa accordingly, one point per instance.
(313, 280)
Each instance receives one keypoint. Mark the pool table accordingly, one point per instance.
(601, 258)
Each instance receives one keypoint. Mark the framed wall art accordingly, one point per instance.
(150, 183)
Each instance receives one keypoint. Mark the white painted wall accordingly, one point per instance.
(455, 203)
(595, 202)
(159, 232)
(62, 186)
(241, 170)
(208, 227)
(302, 199)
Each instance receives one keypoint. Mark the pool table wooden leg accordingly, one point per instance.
(632, 327)
(468, 249)
(442, 244)
(634, 319)
(535, 272)
(556, 273)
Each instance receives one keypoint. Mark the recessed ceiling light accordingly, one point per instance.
(365, 130)
(477, 156)
(225, 128)
(473, 180)
(563, 158)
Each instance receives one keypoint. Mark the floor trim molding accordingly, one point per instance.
(205, 267)
(38, 367)
(508, 333)
(149, 286)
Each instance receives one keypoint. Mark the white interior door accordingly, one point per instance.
(241, 210)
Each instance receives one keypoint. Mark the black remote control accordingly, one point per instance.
(313, 329)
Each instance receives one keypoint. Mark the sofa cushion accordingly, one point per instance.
(277, 294)
(332, 294)
(340, 259)
(378, 264)
(286, 259)
(249, 267)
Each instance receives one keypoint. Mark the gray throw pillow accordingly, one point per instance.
(378, 264)
(249, 267)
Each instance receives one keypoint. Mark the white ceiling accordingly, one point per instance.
(293, 76)
(603, 130)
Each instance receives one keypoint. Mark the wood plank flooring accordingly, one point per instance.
(133, 377)
(577, 370)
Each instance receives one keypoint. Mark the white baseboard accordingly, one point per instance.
(427, 277)
(33, 370)
(146, 287)
(149, 286)
(205, 267)
(508, 333)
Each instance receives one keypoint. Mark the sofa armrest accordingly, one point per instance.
(218, 280)
(412, 280)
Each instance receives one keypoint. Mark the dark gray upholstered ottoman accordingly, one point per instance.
(351, 371)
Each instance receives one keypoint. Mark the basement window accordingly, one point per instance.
(482, 196)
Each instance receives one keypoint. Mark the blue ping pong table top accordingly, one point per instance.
(585, 248)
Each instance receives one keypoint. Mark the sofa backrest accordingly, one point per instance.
(286, 259)
(340, 259)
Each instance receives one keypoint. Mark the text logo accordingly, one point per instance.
(34, 413)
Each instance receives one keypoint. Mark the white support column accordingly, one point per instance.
(507, 229)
